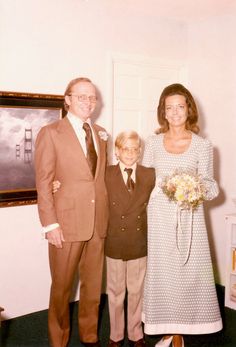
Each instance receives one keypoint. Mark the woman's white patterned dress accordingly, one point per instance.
(179, 295)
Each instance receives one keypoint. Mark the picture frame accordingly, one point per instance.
(21, 117)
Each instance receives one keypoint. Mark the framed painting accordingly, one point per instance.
(21, 117)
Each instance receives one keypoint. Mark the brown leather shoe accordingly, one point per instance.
(139, 343)
(112, 343)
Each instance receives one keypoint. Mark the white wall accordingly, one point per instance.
(24, 271)
(212, 77)
(44, 44)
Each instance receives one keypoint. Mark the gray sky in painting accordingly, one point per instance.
(14, 121)
(18, 172)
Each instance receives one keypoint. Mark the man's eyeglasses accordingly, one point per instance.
(85, 98)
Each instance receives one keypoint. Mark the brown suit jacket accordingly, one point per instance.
(80, 205)
(127, 228)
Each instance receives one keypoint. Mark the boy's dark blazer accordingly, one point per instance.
(127, 228)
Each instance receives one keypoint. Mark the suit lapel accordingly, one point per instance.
(98, 143)
(123, 196)
(101, 147)
(66, 130)
(132, 198)
(120, 185)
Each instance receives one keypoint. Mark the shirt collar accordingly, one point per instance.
(123, 166)
(77, 121)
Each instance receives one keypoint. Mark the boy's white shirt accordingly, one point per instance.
(124, 173)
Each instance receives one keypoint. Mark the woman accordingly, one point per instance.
(179, 294)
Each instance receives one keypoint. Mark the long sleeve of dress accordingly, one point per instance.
(205, 169)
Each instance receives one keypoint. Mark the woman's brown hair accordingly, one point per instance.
(192, 119)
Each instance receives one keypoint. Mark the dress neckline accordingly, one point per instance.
(181, 153)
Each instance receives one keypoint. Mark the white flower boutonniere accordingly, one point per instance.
(103, 135)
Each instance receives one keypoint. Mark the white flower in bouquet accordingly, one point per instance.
(186, 189)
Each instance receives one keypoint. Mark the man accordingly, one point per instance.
(73, 151)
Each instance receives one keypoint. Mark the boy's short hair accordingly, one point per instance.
(122, 138)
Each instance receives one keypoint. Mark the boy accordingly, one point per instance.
(129, 186)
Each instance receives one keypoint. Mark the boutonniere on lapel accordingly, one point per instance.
(103, 135)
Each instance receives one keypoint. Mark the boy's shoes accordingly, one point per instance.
(92, 344)
(114, 344)
(139, 343)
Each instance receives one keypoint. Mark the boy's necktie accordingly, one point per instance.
(130, 182)
(91, 152)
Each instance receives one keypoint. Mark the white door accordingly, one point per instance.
(136, 84)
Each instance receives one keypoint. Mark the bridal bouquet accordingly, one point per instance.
(186, 189)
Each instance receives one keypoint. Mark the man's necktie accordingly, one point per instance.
(130, 182)
(91, 152)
